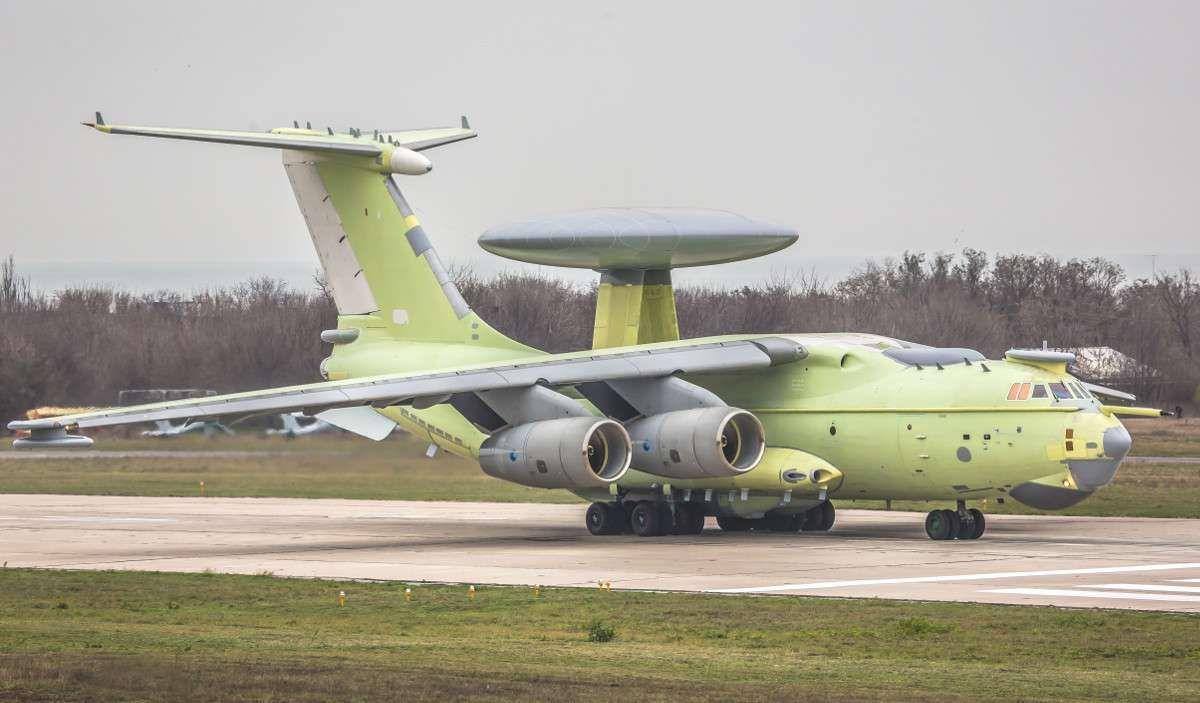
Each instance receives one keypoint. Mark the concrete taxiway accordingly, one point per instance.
(1151, 564)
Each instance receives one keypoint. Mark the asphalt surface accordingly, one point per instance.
(1151, 564)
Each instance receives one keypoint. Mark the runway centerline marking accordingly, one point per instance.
(958, 577)
(1147, 587)
(1070, 593)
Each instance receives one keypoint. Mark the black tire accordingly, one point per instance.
(627, 510)
(605, 519)
(785, 522)
(828, 516)
(955, 523)
(938, 525)
(812, 520)
(730, 523)
(820, 518)
(667, 519)
(647, 519)
(689, 519)
(979, 523)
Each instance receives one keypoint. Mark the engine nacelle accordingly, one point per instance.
(573, 452)
(702, 443)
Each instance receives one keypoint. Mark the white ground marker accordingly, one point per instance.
(1070, 593)
(958, 577)
(1148, 587)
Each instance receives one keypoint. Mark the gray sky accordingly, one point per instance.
(1065, 127)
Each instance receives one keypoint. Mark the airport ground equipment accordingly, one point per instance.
(759, 430)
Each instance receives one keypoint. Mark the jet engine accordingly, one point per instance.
(573, 452)
(714, 442)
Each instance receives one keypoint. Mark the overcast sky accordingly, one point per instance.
(1064, 127)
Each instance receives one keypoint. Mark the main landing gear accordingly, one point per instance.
(645, 518)
(955, 524)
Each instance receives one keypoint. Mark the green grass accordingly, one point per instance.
(307, 467)
(121, 635)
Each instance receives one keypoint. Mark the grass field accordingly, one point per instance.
(109, 635)
(349, 467)
(1164, 436)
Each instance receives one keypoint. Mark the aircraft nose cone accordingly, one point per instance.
(1117, 442)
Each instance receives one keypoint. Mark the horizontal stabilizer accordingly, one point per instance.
(352, 143)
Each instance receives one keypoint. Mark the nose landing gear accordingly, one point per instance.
(955, 524)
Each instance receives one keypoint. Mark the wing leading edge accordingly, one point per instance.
(429, 388)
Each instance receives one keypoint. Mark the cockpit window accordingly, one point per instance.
(1039, 391)
(1018, 391)
(1060, 391)
(1080, 391)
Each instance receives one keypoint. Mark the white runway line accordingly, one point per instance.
(1148, 587)
(958, 577)
(1069, 593)
(89, 518)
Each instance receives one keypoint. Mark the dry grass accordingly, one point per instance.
(147, 636)
(1165, 436)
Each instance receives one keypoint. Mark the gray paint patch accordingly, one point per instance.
(418, 240)
(964, 454)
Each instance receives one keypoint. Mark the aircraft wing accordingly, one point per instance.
(424, 389)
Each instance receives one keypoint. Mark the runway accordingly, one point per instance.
(1150, 564)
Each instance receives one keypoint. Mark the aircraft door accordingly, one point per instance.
(913, 444)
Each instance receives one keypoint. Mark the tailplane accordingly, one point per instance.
(385, 277)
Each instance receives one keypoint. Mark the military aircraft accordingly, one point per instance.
(293, 428)
(759, 430)
(164, 428)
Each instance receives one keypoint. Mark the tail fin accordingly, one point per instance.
(384, 274)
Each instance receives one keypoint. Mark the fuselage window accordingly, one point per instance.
(1060, 391)
(1039, 391)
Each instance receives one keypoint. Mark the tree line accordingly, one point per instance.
(80, 346)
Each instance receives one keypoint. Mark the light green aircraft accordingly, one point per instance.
(760, 431)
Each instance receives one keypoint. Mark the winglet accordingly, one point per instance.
(465, 124)
(99, 124)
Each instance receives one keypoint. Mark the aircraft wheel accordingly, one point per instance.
(785, 522)
(820, 518)
(605, 519)
(627, 510)
(730, 523)
(939, 524)
(647, 519)
(828, 515)
(978, 524)
(689, 519)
